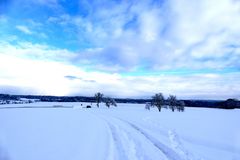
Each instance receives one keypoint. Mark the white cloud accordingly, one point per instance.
(150, 25)
(24, 29)
(48, 76)
(36, 51)
(171, 35)
(156, 36)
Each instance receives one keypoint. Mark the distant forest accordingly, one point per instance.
(227, 104)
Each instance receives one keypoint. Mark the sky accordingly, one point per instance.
(123, 48)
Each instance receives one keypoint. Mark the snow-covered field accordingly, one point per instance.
(120, 133)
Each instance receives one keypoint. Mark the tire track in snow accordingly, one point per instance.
(178, 146)
(129, 146)
(173, 137)
(119, 137)
(117, 143)
(170, 153)
(112, 147)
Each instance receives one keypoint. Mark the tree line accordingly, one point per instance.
(227, 104)
(107, 100)
(171, 102)
(158, 101)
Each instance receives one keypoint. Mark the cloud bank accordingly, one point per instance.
(123, 48)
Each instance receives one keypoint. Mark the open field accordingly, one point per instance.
(118, 133)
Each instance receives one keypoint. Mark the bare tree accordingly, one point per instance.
(99, 97)
(147, 106)
(110, 102)
(180, 106)
(172, 102)
(158, 101)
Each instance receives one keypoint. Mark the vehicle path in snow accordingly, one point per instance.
(174, 139)
(130, 144)
(170, 153)
(125, 132)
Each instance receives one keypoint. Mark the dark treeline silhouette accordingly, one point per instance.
(230, 104)
(227, 104)
(9, 97)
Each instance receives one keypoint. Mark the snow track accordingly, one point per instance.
(127, 132)
(178, 146)
(133, 142)
(174, 139)
(123, 142)
(125, 146)
(171, 154)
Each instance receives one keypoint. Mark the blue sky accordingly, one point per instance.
(121, 48)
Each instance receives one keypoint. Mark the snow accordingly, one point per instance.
(128, 131)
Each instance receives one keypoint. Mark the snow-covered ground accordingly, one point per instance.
(120, 133)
